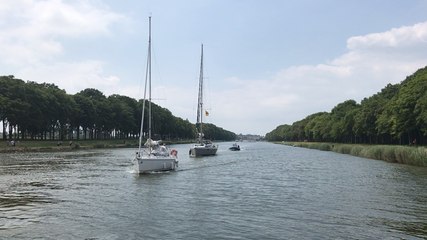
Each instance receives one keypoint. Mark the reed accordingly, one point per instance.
(356, 150)
(341, 148)
(410, 155)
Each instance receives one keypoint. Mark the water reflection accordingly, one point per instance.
(28, 182)
(10, 201)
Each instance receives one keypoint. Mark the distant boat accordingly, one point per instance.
(203, 147)
(154, 156)
(235, 147)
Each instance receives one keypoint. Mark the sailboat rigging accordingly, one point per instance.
(154, 156)
(203, 147)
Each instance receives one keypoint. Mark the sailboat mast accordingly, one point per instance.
(149, 81)
(141, 133)
(200, 97)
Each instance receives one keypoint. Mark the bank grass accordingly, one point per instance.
(411, 155)
(67, 145)
(70, 145)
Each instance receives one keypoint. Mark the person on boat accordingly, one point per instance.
(160, 150)
(163, 150)
(174, 153)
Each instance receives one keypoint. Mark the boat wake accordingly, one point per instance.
(133, 171)
(207, 166)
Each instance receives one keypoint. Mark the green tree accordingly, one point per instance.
(342, 121)
(102, 115)
(410, 94)
(314, 127)
(43, 111)
(123, 110)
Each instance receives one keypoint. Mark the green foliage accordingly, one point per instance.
(356, 150)
(416, 156)
(395, 115)
(341, 148)
(279, 134)
(215, 133)
(43, 111)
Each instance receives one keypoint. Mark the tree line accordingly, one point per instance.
(30, 110)
(395, 115)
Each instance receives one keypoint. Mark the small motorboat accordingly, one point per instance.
(235, 147)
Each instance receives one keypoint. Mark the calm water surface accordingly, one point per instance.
(265, 191)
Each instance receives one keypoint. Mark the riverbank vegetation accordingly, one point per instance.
(29, 110)
(390, 125)
(57, 146)
(396, 115)
(50, 145)
(410, 155)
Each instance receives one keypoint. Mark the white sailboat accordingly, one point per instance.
(154, 156)
(203, 147)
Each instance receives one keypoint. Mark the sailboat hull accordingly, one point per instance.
(149, 164)
(203, 150)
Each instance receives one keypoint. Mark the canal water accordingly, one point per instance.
(264, 191)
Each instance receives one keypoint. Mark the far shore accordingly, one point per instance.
(71, 145)
(411, 155)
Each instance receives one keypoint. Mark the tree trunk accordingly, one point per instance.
(4, 129)
(10, 132)
(78, 133)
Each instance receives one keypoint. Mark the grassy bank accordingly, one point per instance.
(46, 146)
(410, 155)
(52, 146)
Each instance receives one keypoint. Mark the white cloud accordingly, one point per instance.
(371, 62)
(73, 77)
(31, 41)
(31, 29)
(396, 37)
(58, 18)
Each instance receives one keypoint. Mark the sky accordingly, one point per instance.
(266, 63)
